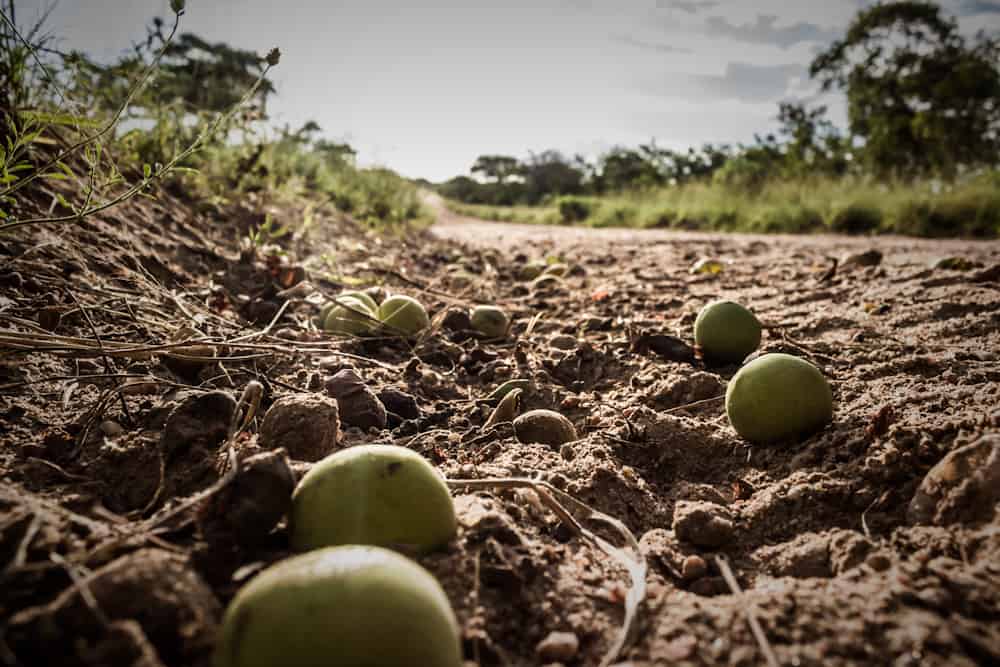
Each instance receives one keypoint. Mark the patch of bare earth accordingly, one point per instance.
(129, 340)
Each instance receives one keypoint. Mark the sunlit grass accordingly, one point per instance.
(855, 206)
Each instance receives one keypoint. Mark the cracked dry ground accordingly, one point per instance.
(96, 449)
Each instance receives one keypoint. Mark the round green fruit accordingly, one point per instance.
(404, 314)
(381, 495)
(778, 397)
(532, 270)
(363, 297)
(349, 316)
(490, 321)
(341, 607)
(726, 332)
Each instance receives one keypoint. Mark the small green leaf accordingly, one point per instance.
(147, 171)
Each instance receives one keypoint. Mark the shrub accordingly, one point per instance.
(573, 209)
(856, 218)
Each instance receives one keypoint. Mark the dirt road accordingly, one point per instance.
(106, 435)
(818, 531)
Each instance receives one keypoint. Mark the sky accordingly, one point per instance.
(424, 88)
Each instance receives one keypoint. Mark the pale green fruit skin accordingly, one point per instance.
(778, 397)
(556, 270)
(344, 320)
(726, 331)
(363, 298)
(490, 321)
(341, 607)
(404, 313)
(381, 495)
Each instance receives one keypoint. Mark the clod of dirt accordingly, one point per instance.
(563, 342)
(680, 390)
(558, 647)
(546, 427)
(382, 495)
(668, 347)
(457, 319)
(703, 524)
(400, 403)
(954, 264)
(693, 567)
(490, 321)
(187, 361)
(778, 397)
(349, 316)
(403, 314)
(359, 406)
(200, 419)
(726, 332)
(861, 259)
(307, 426)
(252, 504)
(963, 487)
(124, 643)
(341, 606)
(156, 588)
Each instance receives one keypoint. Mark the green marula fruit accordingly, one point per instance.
(363, 297)
(380, 495)
(341, 607)
(490, 321)
(404, 314)
(726, 332)
(348, 316)
(778, 397)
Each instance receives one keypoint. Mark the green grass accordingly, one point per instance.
(970, 208)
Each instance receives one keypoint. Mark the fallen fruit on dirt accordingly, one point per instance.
(341, 606)
(963, 487)
(363, 297)
(706, 265)
(544, 426)
(381, 495)
(403, 314)
(349, 316)
(726, 332)
(532, 270)
(558, 269)
(778, 397)
(490, 321)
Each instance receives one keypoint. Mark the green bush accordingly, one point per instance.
(856, 218)
(573, 209)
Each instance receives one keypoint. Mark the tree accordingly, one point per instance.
(497, 167)
(622, 168)
(812, 143)
(920, 96)
(550, 173)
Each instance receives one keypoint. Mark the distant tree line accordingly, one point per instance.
(923, 100)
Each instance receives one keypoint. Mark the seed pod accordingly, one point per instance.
(544, 426)
(350, 317)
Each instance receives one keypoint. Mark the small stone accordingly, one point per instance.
(307, 426)
(457, 319)
(563, 342)
(693, 567)
(558, 647)
(703, 524)
(567, 452)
